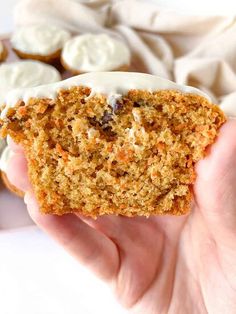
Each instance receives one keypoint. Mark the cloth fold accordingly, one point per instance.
(191, 50)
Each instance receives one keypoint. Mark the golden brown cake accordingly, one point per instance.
(52, 58)
(112, 143)
(3, 52)
(39, 42)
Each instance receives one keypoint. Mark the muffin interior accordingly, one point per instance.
(131, 155)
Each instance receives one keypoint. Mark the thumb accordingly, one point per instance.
(215, 188)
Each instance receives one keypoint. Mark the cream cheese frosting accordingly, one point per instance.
(5, 157)
(39, 39)
(92, 53)
(111, 84)
(25, 74)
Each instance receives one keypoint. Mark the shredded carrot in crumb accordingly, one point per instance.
(33, 162)
(155, 174)
(61, 152)
(42, 108)
(58, 123)
(200, 128)
(193, 177)
(28, 123)
(161, 146)
(180, 127)
(22, 111)
(89, 111)
(125, 155)
(189, 163)
(109, 148)
(211, 133)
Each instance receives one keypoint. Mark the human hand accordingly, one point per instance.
(162, 264)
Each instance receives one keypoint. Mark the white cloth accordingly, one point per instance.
(38, 277)
(192, 50)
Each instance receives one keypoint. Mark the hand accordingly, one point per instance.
(162, 264)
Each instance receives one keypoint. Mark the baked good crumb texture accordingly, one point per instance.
(134, 157)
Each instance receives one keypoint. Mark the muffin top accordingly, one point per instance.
(25, 74)
(39, 39)
(90, 53)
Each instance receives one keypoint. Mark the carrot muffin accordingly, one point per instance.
(25, 74)
(112, 142)
(39, 42)
(93, 53)
(5, 156)
(3, 52)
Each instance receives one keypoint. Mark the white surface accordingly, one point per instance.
(39, 39)
(6, 16)
(38, 277)
(95, 52)
(107, 83)
(203, 7)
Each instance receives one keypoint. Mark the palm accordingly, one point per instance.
(167, 264)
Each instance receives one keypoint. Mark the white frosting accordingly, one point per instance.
(92, 53)
(25, 74)
(5, 157)
(112, 84)
(39, 39)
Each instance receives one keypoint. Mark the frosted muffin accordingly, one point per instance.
(112, 143)
(3, 52)
(6, 154)
(25, 74)
(93, 53)
(39, 42)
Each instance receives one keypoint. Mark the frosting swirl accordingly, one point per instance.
(89, 53)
